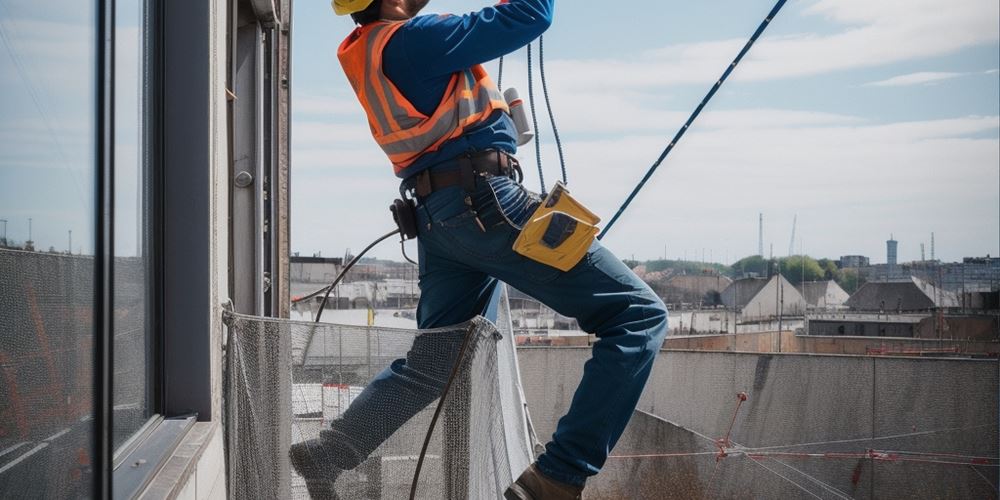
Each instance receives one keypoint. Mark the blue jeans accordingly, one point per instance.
(460, 264)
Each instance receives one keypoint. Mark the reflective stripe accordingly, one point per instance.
(403, 132)
(372, 97)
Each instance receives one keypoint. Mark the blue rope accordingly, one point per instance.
(697, 111)
(500, 75)
(534, 121)
(548, 105)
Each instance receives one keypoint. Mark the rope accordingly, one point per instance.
(724, 443)
(534, 122)
(782, 476)
(548, 106)
(500, 74)
(694, 115)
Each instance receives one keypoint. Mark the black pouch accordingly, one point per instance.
(404, 213)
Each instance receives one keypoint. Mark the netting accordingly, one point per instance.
(46, 363)
(362, 399)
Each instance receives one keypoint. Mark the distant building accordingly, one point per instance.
(314, 269)
(891, 252)
(823, 294)
(693, 289)
(910, 295)
(925, 325)
(853, 261)
(973, 274)
(761, 298)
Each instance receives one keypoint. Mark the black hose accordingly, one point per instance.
(340, 276)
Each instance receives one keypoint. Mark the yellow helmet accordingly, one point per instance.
(345, 7)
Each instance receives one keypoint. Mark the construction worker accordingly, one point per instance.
(446, 130)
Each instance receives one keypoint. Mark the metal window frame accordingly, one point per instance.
(103, 250)
(185, 138)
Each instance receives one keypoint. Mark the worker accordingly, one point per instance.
(448, 135)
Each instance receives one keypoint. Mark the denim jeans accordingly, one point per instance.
(461, 259)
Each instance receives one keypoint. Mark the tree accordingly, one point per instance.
(799, 268)
(752, 264)
(850, 280)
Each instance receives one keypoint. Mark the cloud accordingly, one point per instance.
(848, 180)
(920, 78)
(870, 34)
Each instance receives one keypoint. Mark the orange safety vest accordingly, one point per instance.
(403, 132)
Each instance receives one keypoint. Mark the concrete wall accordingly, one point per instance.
(797, 403)
(789, 342)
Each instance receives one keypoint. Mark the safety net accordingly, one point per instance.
(367, 396)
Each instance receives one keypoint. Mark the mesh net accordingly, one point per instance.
(354, 403)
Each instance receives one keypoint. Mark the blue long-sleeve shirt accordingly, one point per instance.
(422, 56)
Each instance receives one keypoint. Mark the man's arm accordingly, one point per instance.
(446, 44)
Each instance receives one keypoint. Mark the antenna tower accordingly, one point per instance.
(791, 244)
(760, 236)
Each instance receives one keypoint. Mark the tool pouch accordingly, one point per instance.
(404, 213)
(560, 231)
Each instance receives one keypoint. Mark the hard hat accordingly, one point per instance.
(345, 7)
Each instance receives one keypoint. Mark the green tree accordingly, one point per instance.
(751, 264)
(850, 280)
(798, 268)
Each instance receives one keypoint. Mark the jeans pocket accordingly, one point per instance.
(514, 202)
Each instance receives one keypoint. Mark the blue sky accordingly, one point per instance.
(863, 119)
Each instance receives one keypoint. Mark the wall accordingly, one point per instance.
(822, 405)
(766, 342)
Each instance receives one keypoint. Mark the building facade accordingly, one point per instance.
(145, 145)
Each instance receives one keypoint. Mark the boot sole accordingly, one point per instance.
(515, 492)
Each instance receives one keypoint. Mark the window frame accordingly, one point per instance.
(108, 459)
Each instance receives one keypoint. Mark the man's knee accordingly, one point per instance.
(660, 317)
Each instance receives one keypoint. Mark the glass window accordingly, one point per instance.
(133, 345)
(47, 213)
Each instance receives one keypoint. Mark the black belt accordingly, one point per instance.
(490, 162)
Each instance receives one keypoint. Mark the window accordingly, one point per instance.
(48, 174)
(134, 356)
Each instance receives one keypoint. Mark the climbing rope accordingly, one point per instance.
(534, 125)
(694, 115)
(500, 74)
(548, 105)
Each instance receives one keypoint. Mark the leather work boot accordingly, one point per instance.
(311, 459)
(533, 485)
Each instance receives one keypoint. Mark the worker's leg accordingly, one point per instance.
(451, 293)
(603, 295)
(630, 321)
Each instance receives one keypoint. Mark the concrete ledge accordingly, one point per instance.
(194, 470)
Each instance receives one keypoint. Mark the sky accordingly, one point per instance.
(859, 119)
(47, 120)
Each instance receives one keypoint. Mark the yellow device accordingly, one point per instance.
(560, 231)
